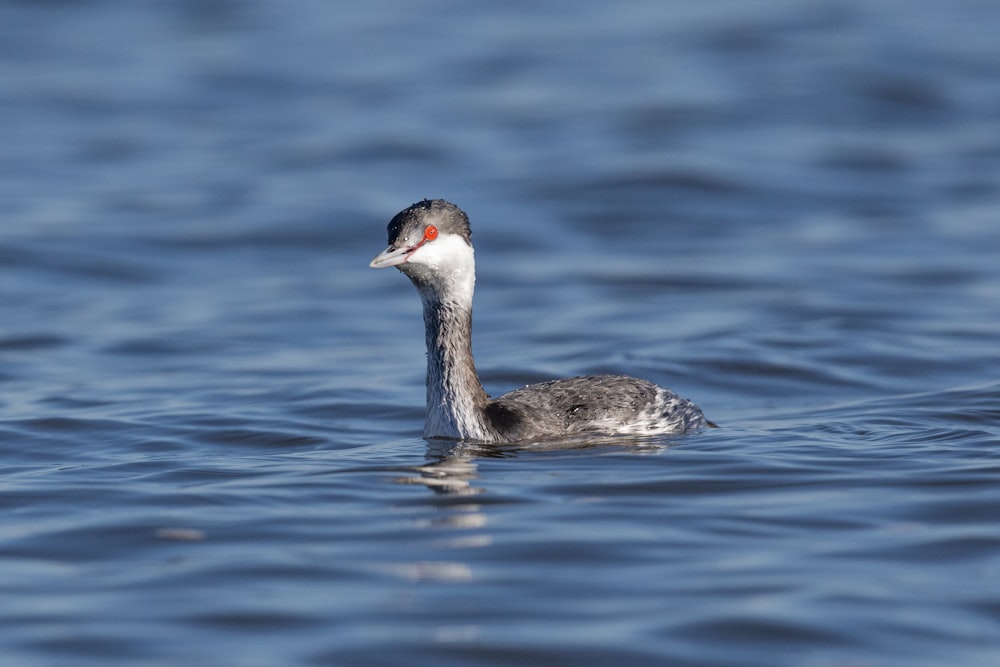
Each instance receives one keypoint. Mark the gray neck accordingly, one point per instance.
(455, 397)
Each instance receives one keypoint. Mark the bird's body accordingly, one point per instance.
(431, 243)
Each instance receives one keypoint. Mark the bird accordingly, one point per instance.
(431, 243)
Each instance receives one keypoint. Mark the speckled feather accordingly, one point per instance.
(598, 404)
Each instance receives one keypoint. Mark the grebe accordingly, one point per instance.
(431, 243)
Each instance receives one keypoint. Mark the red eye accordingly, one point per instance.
(431, 233)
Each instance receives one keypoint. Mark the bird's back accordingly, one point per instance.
(608, 404)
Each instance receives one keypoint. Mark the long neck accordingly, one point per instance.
(455, 396)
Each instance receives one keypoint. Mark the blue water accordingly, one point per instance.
(210, 408)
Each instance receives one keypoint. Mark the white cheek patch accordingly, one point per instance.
(452, 260)
(445, 251)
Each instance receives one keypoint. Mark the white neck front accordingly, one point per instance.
(446, 281)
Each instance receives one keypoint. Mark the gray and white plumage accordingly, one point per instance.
(441, 265)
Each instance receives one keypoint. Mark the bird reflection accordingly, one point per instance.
(451, 467)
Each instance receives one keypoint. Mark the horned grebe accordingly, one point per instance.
(431, 243)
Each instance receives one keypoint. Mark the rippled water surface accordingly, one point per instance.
(210, 408)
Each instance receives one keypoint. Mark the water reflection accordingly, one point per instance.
(460, 518)
(451, 466)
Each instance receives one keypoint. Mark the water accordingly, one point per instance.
(210, 408)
